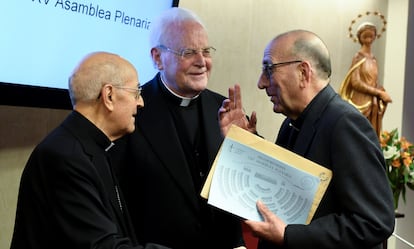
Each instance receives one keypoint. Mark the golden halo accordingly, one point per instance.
(379, 32)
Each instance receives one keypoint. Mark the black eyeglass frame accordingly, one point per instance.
(267, 69)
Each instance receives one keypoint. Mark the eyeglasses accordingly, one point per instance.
(137, 91)
(188, 53)
(267, 69)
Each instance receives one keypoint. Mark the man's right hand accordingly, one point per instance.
(231, 112)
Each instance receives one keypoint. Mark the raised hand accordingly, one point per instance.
(231, 112)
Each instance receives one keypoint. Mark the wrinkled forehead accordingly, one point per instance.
(186, 34)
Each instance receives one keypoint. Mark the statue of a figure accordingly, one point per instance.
(360, 86)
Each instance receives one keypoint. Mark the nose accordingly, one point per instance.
(140, 102)
(200, 59)
(263, 82)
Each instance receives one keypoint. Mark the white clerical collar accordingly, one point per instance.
(185, 101)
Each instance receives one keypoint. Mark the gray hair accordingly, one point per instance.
(311, 47)
(160, 28)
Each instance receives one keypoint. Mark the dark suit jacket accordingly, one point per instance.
(67, 196)
(165, 206)
(357, 210)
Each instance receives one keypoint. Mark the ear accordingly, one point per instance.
(108, 97)
(305, 72)
(156, 58)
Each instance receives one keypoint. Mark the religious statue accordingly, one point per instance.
(360, 86)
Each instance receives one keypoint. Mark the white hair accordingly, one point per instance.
(159, 27)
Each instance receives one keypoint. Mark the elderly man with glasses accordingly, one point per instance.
(166, 160)
(357, 210)
(69, 196)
